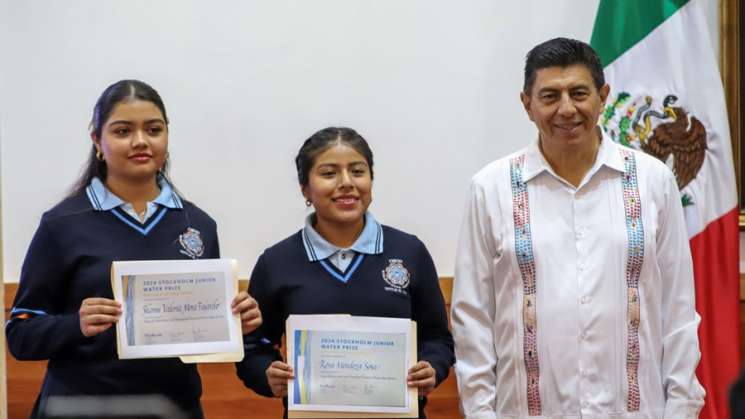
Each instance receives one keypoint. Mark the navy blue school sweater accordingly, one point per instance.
(69, 259)
(285, 282)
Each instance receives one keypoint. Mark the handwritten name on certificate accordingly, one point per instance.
(173, 308)
(349, 364)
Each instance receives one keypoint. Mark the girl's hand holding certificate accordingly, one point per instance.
(97, 315)
(422, 376)
(248, 309)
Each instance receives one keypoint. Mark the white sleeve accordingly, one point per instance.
(680, 349)
(472, 311)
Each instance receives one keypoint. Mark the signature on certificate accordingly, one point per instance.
(176, 336)
(350, 389)
(327, 388)
(151, 338)
(198, 334)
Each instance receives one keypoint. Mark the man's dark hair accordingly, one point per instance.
(562, 52)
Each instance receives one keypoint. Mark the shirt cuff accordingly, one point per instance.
(482, 415)
(682, 409)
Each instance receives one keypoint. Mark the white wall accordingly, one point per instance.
(432, 85)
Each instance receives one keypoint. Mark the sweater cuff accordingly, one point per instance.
(252, 370)
(441, 374)
(70, 326)
(442, 369)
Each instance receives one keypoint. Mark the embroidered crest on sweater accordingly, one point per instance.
(397, 276)
(191, 243)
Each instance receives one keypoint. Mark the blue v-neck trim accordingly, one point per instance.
(335, 273)
(144, 230)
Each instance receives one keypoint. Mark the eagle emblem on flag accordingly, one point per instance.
(661, 129)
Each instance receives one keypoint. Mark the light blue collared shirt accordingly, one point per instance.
(102, 199)
(317, 248)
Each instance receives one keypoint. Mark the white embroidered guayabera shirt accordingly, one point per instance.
(575, 302)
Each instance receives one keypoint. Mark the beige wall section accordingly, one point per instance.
(3, 374)
(3, 371)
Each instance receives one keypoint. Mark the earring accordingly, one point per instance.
(308, 203)
(99, 155)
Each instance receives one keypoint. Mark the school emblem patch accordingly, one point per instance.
(396, 275)
(661, 128)
(191, 242)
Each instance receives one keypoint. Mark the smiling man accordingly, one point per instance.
(573, 293)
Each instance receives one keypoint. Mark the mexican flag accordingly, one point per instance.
(667, 100)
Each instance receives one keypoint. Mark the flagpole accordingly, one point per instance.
(730, 13)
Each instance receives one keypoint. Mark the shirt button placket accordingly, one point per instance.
(579, 236)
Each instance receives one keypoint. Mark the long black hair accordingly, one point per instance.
(119, 92)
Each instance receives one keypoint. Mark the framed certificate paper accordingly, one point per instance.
(350, 367)
(177, 308)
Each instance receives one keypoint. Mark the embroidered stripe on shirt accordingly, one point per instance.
(526, 263)
(635, 258)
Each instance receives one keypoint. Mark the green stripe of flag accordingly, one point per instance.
(620, 24)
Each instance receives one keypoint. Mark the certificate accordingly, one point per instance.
(349, 366)
(177, 308)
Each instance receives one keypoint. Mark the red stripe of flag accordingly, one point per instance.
(716, 267)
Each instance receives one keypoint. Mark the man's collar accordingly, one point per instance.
(608, 155)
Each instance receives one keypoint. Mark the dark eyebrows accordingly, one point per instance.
(149, 121)
(326, 166)
(121, 123)
(546, 90)
(335, 165)
(551, 90)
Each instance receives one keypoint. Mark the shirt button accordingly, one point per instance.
(583, 373)
(343, 255)
(581, 267)
(585, 404)
(583, 335)
(586, 299)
